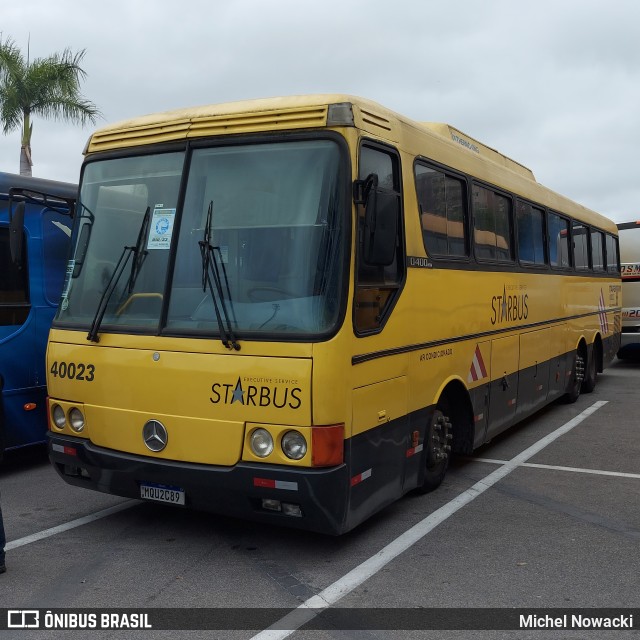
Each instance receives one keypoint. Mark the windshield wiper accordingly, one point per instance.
(139, 254)
(212, 266)
(138, 258)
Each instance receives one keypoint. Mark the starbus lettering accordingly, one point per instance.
(256, 396)
(508, 308)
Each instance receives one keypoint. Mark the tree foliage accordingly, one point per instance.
(47, 87)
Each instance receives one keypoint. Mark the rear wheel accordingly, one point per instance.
(437, 449)
(577, 377)
(591, 374)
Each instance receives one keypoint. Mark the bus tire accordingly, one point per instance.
(577, 377)
(591, 373)
(437, 450)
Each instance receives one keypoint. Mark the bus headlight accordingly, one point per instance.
(294, 445)
(58, 417)
(261, 443)
(76, 419)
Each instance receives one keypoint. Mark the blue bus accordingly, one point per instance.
(35, 230)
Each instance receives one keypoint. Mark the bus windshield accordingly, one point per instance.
(267, 220)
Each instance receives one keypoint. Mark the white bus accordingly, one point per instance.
(629, 238)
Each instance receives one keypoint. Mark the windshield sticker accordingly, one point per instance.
(161, 229)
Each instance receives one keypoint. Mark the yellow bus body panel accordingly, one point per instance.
(203, 399)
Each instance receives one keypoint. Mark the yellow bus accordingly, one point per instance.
(629, 237)
(295, 310)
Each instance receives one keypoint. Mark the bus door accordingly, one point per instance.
(556, 340)
(503, 391)
(14, 292)
(533, 381)
(380, 422)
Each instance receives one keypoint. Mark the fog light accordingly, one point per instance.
(291, 510)
(72, 471)
(76, 419)
(58, 417)
(271, 505)
(261, 443)
(294, 445)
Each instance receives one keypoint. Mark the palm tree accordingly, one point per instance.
(47, 87)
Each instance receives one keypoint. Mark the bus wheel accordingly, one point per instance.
(577, 378)
(437, 450)
(590, 378)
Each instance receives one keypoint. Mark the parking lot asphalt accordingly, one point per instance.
(544, 517)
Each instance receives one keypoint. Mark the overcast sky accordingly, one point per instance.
(555, 84)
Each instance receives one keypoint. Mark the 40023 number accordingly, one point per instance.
(73, 371)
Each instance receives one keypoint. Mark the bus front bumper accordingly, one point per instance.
(311, 499)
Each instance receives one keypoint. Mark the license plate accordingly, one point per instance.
(161, 493)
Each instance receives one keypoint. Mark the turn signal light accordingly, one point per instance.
(327, 445)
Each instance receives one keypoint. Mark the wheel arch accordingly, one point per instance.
(455, 397)
(597, 352)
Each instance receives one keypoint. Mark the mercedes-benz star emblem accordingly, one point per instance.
(155, 435)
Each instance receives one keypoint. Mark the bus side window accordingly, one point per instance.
(56, 235)
(492, 225)
(442, 202)
(580, 235)
(14, 283)
(612, 255)
(559, 255)
(597, 250)
(530, 224)
(377, 287)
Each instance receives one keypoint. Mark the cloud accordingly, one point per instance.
(555, 85)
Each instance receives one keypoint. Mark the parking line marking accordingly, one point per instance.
(553, 467)
(354, 578)
(20, 542)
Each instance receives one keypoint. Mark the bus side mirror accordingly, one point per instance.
(382, 210)
(15, 234)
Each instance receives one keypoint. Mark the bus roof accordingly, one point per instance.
(64, 190)
(464, 140)
(443, 142)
